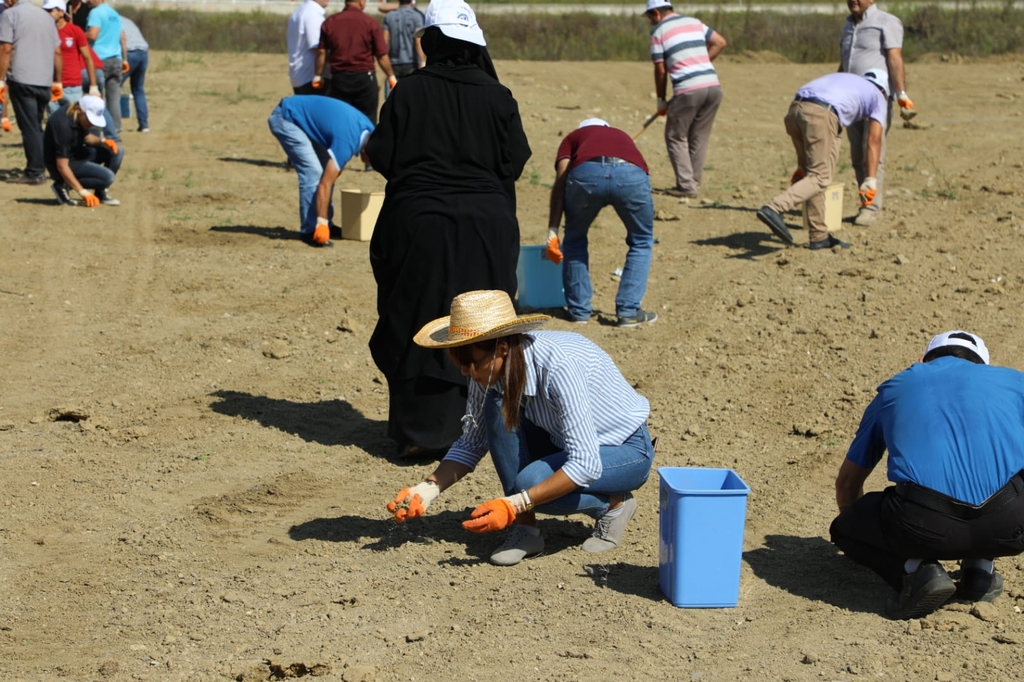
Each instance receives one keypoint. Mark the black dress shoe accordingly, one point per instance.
(827, 243)
(924, 590)
(28, 180)
(770, 217)
(978, 585)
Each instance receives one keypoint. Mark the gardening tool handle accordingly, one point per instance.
(649, 121)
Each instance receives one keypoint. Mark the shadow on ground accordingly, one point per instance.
(328, 422)
(262, 163)
(258, 230)
(814, 569)
(752, 244)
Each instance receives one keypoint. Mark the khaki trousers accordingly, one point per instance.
(815, 132)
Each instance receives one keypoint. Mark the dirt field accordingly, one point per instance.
(195, 463)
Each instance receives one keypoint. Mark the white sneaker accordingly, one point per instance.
(608, 532)
(108, 200)
(519, 544)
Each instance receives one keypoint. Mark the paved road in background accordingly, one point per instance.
(286, 6)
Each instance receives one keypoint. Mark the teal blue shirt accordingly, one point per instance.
(108, 42)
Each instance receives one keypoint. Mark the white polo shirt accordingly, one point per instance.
(303, 39)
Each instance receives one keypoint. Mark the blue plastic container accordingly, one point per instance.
(126, 106)
(700, 538)
(540, 280)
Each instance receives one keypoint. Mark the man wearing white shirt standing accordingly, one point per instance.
(303, 41)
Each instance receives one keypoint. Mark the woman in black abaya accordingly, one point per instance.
(451, 145)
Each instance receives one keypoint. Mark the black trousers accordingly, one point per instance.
(307, 89)
(883, 529)
(426, 411)
(30, 102)
(358, 89)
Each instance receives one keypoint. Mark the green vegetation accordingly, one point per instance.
(585, 37)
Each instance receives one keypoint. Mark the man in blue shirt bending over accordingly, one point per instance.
(954, 429)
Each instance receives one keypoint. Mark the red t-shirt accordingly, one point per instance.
(584, 144)
(352, 40)
(72, 39)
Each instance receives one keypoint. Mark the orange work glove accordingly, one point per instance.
(867, 191)
(5, 123)
(554, 249)
(907, 111)
(494, 515)
(411, 503)
(56, 92)
(318, 82)
(322, 233)
(798, 175)
(111, 145)
(90, 198)
(392, 81)
(662, 107)
(125, 68)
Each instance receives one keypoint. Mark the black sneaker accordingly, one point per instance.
(924, 590)
(978, 585)
(770, 217)
(828, 243)
(641, 317)
(60, 190)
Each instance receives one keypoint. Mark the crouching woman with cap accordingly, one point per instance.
(566, 432)
(77, 154)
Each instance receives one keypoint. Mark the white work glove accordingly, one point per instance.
(411, 503)
(392, 81)
(553, 250)
(867, 191)
(662, 106)
(318, 82)
(94, 90)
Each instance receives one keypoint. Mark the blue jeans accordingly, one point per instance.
(101, 80)
(72, 93)
(138, 62)
(309, 160)
(591, 186)
(526, 457)
(97, 171)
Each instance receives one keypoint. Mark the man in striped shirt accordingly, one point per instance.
(682, 49)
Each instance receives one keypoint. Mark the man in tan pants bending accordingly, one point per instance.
(815, 122)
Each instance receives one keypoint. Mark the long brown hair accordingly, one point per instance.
(514, 370)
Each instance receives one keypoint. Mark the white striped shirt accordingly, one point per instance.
(682, 44)
(575, 393)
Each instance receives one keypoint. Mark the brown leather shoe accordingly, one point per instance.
(28, 180)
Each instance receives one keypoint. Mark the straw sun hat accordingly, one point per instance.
(477, 316)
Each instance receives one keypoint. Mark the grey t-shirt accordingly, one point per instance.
(132, 35)
(401, 25)
(863, 45)
(33, 34)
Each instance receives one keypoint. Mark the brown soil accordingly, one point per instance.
(195, 463)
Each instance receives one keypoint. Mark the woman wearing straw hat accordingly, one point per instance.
(566, 432)
(451, 144)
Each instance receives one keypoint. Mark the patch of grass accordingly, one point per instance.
(534, 176)
(157, 174)
(203, 457)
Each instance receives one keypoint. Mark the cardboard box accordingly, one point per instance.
(359, 211)
(833, 208)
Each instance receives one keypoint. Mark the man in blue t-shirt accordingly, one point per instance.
(104, 32)
(319, 135)
(954, 429)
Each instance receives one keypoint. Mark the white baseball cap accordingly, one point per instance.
(55, 4)
(456, 20)
(93, 107)
(657, 4)
(593, 122)
(880, 79)
(972, 342)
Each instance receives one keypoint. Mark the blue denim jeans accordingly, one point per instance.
(101, 80)
(526, 457)
(138, 62)
(98, 170)
(72, 93)
(309, 160)
(591, 186)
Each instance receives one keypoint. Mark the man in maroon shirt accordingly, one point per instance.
(597, 166)
(351, 40)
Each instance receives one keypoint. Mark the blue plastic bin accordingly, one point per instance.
(700, 538)
(540, 280)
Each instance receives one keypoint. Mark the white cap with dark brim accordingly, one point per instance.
(954, 338)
